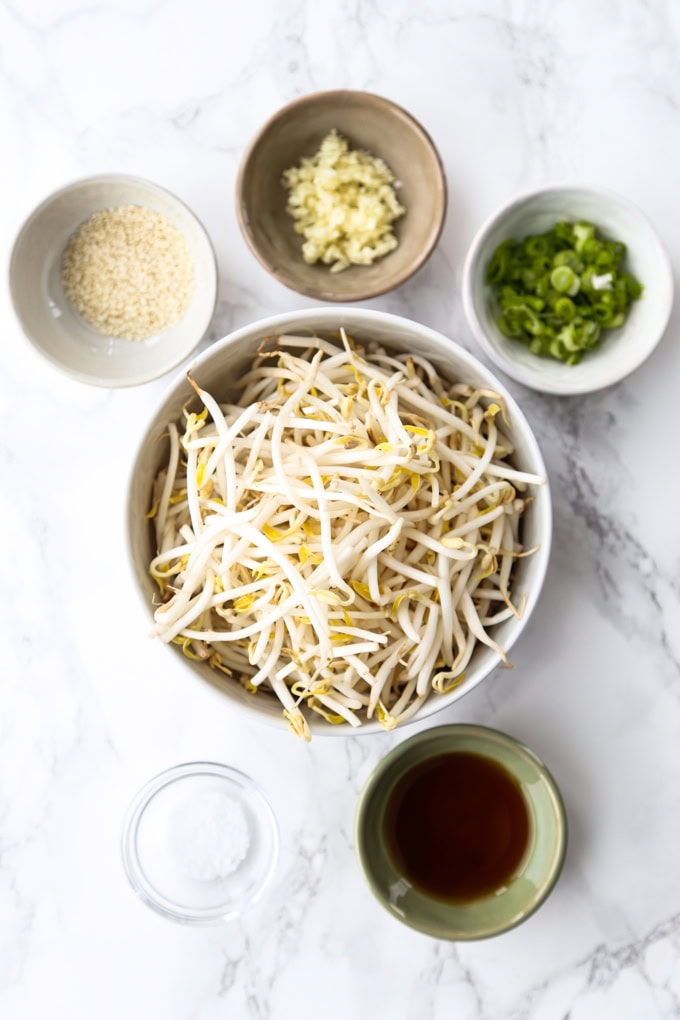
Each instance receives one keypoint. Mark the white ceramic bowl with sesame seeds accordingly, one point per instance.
(61, 334)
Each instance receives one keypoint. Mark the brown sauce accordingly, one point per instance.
(457, 826)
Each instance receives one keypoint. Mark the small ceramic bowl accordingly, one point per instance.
(620, 351)
(536, 874)
(48, 318)
(368, 122)
(199, 843)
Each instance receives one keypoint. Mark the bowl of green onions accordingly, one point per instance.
(567, 289)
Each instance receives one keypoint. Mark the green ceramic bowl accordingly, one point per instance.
(536, 874)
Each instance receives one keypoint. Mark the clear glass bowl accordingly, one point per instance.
(200, 843)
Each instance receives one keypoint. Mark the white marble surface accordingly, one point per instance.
(515, 94)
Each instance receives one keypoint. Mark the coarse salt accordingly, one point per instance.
(210, 836)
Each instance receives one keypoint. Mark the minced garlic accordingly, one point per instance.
(344, 204)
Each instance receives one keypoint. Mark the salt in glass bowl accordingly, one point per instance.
(200, 843)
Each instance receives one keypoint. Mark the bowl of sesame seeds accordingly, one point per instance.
(113, 280)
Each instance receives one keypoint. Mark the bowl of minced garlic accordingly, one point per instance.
(341, 196)
(114, 280)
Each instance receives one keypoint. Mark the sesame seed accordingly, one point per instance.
(128, 272)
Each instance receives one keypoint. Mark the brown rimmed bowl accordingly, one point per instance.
(368, 122)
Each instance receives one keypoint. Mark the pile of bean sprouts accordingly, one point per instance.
(343, 535)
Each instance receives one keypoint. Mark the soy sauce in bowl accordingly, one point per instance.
(457, 826)
(461, 832)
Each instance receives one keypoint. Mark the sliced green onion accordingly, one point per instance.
(583, 233)
(538, 245)
(557, 291)
(565, 280)
(568, 258)
(565, 309)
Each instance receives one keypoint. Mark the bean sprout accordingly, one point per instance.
(343, 535)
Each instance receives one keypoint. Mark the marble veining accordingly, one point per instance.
(515, 94)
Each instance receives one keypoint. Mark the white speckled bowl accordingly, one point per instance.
(218, 371)
(49, 320)
(622, 350)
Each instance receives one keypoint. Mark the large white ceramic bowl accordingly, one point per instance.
(49, 320)
(620, 351)
(218, 371)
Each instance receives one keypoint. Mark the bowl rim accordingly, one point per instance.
(111, 178)
(320, 293)
(308, 318)
(486, 734)
(520, 373)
